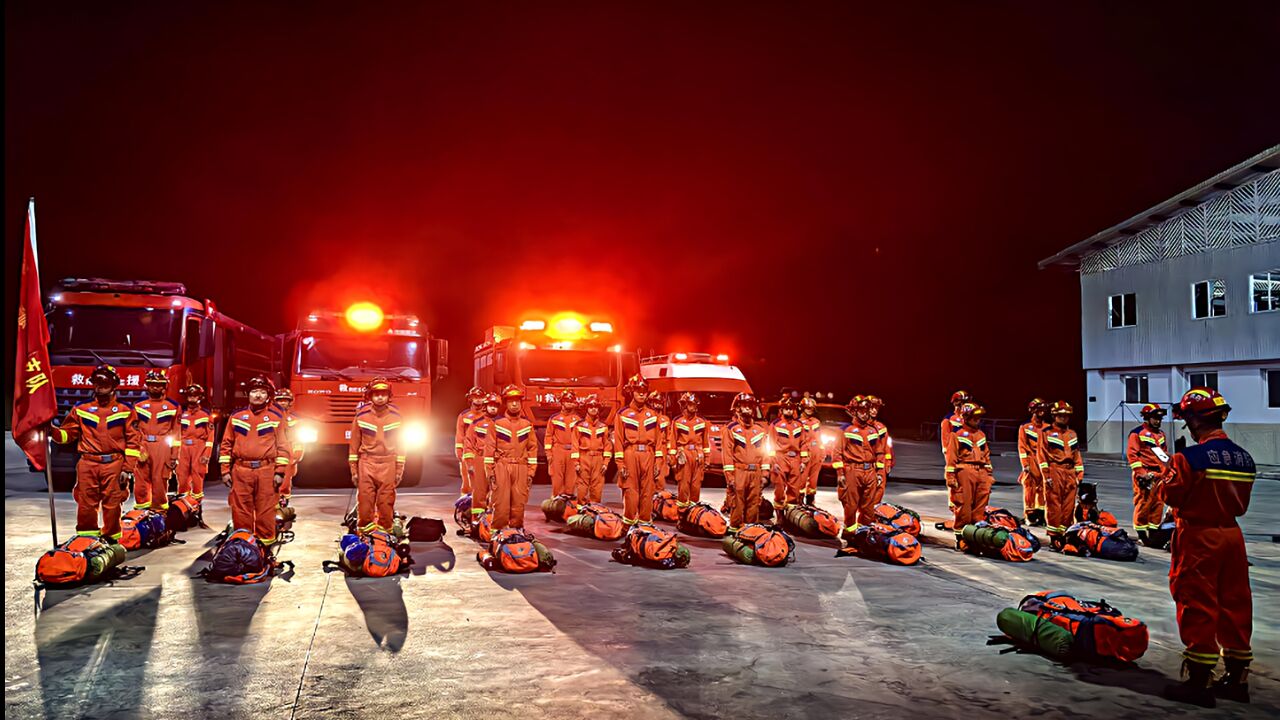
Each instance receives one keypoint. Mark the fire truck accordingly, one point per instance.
(332, 356)
(547, 355)
(139, 325)
(710, 377)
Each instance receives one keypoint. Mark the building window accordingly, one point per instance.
(1123, 311)
(1264, 291)
(1208, 299)
(1273, 389)
(1135, 388)
(1203, 379)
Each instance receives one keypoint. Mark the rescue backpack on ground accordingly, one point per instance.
(595, 520)
(765, 513)
(185, 512)
(144, 529)
(665, 507)
(899, 517)
(653, 547)
(513, 550)
(242, 559)
(81, 560)
(702, 519)
(1017, 545)
(1001, 518)
(425, 529)
(1087, 509)
(559, 508)
(374, 554)
(756, 544)
(462, 515)
(1087, 539)
(811, 521)
(1098, 630)
(886, 543)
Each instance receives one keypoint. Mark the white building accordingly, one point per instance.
(1184, 294)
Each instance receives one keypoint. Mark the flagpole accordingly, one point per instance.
(47, 432)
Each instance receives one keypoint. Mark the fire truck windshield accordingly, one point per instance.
(597, 368)
(114, 331)
(362, 357)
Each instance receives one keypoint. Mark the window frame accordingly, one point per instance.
(1205, 375)
(1270, 378)
(1208, 284)
(1132, 321)
(1143, 391)
(1272, 276)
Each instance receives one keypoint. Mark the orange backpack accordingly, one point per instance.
(651, 546)
(665, 507)
(512, 550)
(385, 557)
(899, 517)
(1098, 629)
(484, 528)
(68, 563)
(883, 542)
(773, 548)
(702, 519)
(1001, 518)
(602, 522)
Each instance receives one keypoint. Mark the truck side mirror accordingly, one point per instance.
(440, 353)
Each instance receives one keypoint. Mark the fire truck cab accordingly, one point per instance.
(332, 356)
(140, 325)
(711, 378)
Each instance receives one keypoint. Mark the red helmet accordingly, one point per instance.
(808, 403)
(960, 397)
(636, 384)
(788, 401)
(475, 395)
(156, 376)
(260, 382)
(969, 410)
(689, 400)
(743, 400)
(591, 401)
(857, 402)
(1201, 401)
(492, 399)
(1152, 409)
(1061, 407)
(512, 392)
(377, 385)
(1036, 405)
(568, 396)
(192, 390)
(107, 373)
(875, 401)
(657, 401)
(284, 394)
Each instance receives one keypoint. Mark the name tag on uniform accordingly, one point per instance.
(1160, 453)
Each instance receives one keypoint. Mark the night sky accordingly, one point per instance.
(845, 198)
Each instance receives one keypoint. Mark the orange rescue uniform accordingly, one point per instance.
(745, 454)
(662, 458)
(860, 459)
(108, 441)
(592, 448)
(691, 447)
(790, 452)
(1030, 478)
(883, 431)
(254, 445)
(377, 461)
(950, 425)
(291, 471)
(193, 454)
(817, 454)
(969, 473)
(1062, 467)
(511, 454)
(1148, 458)
(1209, 488)
(473, 463)
(557, 442)
(636, 437)
(158, 426)
(465, 419)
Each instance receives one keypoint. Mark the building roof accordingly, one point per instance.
(1226, 181)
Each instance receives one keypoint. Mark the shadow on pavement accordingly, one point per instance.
(382, 602)
(94, 666)
(438, 555)
(1140, 680)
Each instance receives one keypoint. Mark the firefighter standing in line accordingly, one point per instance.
(510, 459)
(1208, 488)
(950, 425)
(635, 444)
(817, 451)
(107, 437)
(197, 444)
(658, 404)
(284, 401)
(1030, 479)
(876, 406)
(473, 453)
(745, 453)
(859, 462)
(558, 444)
(376, 459)
(1148, 456)
(253, 456)
(1062, 467)
(592, 449)
(691, 440)
(158, 426)
(790, 453)
(473, 412)
(968, 470)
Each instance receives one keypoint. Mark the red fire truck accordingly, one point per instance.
(547, 355)
(138, 325)
(332, 356)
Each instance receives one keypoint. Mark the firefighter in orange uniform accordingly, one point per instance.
(1062, 467)
(158, 426)
(883, 430)
(817, 449)
(635, 445)
(557, 443)
(790, 447)
(473, 453)
(691, 443)
(376, 458)
(197, 444)
(592, 449)
(969, 470)
(510, 459)
(1030, 479)
(253, 456)
(744, 450)
(1208, 487)
(284, 401)
(1148, 456)
(661, 458)
(949, 426)
(105, 431)
(474, 411)
(859, 464)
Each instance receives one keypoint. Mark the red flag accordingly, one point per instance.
(34, 404)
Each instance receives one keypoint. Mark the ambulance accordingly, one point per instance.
(710, 377)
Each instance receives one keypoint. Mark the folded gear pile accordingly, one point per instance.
(516, 551)
(650, 546)
(757, 544)
(81, 560)
(1063, 627)
(886, 543)
(703, 520)
(597, 521)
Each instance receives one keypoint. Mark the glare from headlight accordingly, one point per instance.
(172, 441)
(308, 434)
(415, 436)
(828, 439)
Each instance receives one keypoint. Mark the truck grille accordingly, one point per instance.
(343, 407)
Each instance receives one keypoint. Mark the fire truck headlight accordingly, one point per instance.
(828, 439)
(308, 434)
(415, 436)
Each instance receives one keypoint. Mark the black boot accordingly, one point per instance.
(1234, 683)
(1194, 688)
(961, 545)
(1039, 518)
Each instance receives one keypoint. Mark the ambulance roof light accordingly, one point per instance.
(364, 316)
(681, 357)
(601, 327)
(533, 325)
(722, 358)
